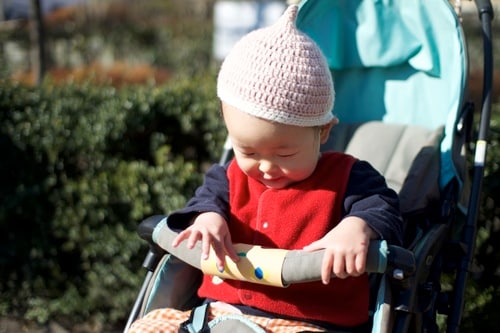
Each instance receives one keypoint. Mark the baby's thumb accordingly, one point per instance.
(314, 246)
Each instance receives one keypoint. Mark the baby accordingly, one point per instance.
(280, 191)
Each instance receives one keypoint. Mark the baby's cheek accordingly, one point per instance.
(246, 165)
(299, 174)
(250, 169)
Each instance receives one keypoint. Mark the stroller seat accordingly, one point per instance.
(407, 156)
(400, 73)
(398, 150)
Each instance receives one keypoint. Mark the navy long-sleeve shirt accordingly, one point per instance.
(367, 196)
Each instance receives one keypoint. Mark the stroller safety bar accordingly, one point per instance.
(295, 266)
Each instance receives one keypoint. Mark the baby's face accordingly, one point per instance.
(276, 155)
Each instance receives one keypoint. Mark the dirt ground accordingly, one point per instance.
(18, 325)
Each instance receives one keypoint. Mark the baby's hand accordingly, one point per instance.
(346, 247)
(212, 230)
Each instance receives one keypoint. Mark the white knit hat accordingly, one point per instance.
(278, 73)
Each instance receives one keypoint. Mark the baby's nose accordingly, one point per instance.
(266, 166)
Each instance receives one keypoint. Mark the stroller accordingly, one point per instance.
(400, 72)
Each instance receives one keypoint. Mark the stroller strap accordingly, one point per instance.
(198, 323)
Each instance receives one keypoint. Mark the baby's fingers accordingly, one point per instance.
(355, 263)
(314, 246)
(339, 266)
(360, 264)
(230, 251)
(220, 255)
(182, 236)
(326, 268)
(194, 237)
(205, 247)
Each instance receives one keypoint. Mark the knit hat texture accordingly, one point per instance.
(278, 73)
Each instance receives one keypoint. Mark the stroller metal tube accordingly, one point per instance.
(138, 302)
(484, 7)
(227, 153)
(151, 260)
(486, 15)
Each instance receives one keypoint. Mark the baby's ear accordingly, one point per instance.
(324, 130)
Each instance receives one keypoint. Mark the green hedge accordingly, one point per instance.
(80, 167)
(482, 299)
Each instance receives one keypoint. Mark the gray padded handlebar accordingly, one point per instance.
(298, 266)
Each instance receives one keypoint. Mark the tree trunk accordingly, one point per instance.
(37, 37)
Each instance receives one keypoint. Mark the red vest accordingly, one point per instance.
(291, 218)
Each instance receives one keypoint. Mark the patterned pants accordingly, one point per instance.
(168, 321)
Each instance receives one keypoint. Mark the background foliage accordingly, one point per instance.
(81, 166)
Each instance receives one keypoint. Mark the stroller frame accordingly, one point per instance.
(414, 272)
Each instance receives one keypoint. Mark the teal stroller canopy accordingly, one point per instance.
(399, 61)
